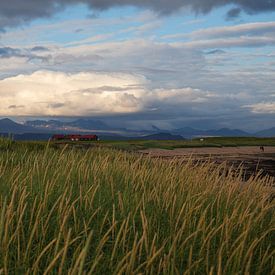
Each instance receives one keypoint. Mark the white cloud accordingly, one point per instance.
(243, 41)
(237, 30)
(256, 34)
(47, 93)
(150, 76)
(248, 29)
(56, 93)
(262, 108)
(91, 30)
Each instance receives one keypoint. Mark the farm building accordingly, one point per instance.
(75, 137)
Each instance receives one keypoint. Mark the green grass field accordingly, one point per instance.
(65, 210)
(134, 145)
(173, 144)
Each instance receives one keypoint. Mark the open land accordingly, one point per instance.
(90, 208)
(250, 158)
(237, 153)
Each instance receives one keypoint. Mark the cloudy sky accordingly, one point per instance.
(137, 63)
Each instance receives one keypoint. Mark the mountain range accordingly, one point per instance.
(43, 129)
(81, 124)
(9, 126)
(223, 132)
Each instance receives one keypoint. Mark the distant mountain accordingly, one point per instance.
(225, 132)
(93, 125)
(103, 129)
(9, 126)
(157, 129)
(162, 136)
(44, 123)
(266, 133)
(82, 124)
(189, 132)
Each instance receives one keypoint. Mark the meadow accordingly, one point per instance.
(101, 210)
(218, 142)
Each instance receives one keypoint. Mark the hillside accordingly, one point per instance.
(266, 133)
(110, 132)
(9, 126)
(189, 132)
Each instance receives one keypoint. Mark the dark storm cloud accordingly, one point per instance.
(233, 13)
(56, 105)
(79, 30)
(217, 51)
(39, 49)
(16, 106)
(17, 11)
(7, 52)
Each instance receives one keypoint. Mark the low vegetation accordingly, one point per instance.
(218, 142)
(104, 211)
(135, 145)
(5, 143)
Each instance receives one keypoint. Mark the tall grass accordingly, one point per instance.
(5, 143)
(103, 211)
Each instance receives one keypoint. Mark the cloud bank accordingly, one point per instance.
(257, 34)
(47, 93)
(16, 12)
(262, 108)
(60, 94)
(133, 74)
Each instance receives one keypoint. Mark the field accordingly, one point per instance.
(250, 159)
(95, 209)
(134, 145)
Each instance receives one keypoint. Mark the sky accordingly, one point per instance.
(143, 63)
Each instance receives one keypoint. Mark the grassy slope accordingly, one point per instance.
(108, 212)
